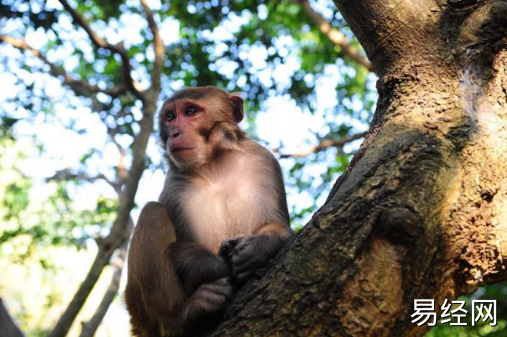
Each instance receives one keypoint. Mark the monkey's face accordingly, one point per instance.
(184, 120)
(192, 125)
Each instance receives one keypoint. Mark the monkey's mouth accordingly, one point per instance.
(179, 151)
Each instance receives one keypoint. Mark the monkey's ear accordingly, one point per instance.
(237, 107)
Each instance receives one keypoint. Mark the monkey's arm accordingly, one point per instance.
(155, 297)
(196, 265)
(249, 253)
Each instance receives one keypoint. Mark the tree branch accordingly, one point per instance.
(158, 48)
(101, 43)
(335, 36)
(119, 231)
(8, 327)
(78, 85)
(89, 328)
(324, 144)
(117, 237)
(66, 174)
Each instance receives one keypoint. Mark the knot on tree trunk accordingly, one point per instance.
(485, 23)
(400, 225)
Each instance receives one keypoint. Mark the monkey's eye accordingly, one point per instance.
(169, 116)
(191, 111)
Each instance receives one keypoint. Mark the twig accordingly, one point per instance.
(101, 43)
(65, 175)
(335, 36)
(78, 85)
(324, 144)
(158, 48)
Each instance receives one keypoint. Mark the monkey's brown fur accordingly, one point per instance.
(222, 214)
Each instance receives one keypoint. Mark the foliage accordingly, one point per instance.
(260, 48)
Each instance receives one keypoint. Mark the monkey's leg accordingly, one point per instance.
(153, 291)
(172, 285)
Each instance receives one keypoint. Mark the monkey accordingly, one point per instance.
(222, 214)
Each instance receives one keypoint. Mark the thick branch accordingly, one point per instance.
(101, 43)
(158, 48)
(324, 144)
(118, 236)
(119, 231)
(420, 213)
(391, 30)
(79, 86)
(335, 36)
(8, 327)
(89, 328)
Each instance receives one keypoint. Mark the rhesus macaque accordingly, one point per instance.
(222, 214)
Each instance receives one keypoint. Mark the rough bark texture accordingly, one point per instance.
(422, 210)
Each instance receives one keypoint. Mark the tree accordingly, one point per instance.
(378, 243)
(420, 212)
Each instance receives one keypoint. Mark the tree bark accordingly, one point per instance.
(421, 213)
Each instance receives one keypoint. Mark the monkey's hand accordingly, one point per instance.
(247, 254)
(227, 248)
(209, 300)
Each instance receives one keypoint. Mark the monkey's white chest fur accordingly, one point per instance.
(228, 200)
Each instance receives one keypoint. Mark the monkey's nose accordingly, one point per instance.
(174, 133)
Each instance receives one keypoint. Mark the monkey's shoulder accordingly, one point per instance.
(257, 151)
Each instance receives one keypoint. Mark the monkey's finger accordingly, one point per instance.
(223, 288)
(225, 281)
(209, 299)
(219, 295)
(225, 251)
(211, 303)
(249, 263)
(232, 242)
(243, 257)
(244, 276)
(242, 245)
(217, 288)
(238, 259)
(227, 247)
(241, 268)
(243, 251)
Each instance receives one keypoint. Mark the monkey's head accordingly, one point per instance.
(197, 124)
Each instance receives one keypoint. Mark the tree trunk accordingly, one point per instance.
(421, 213)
